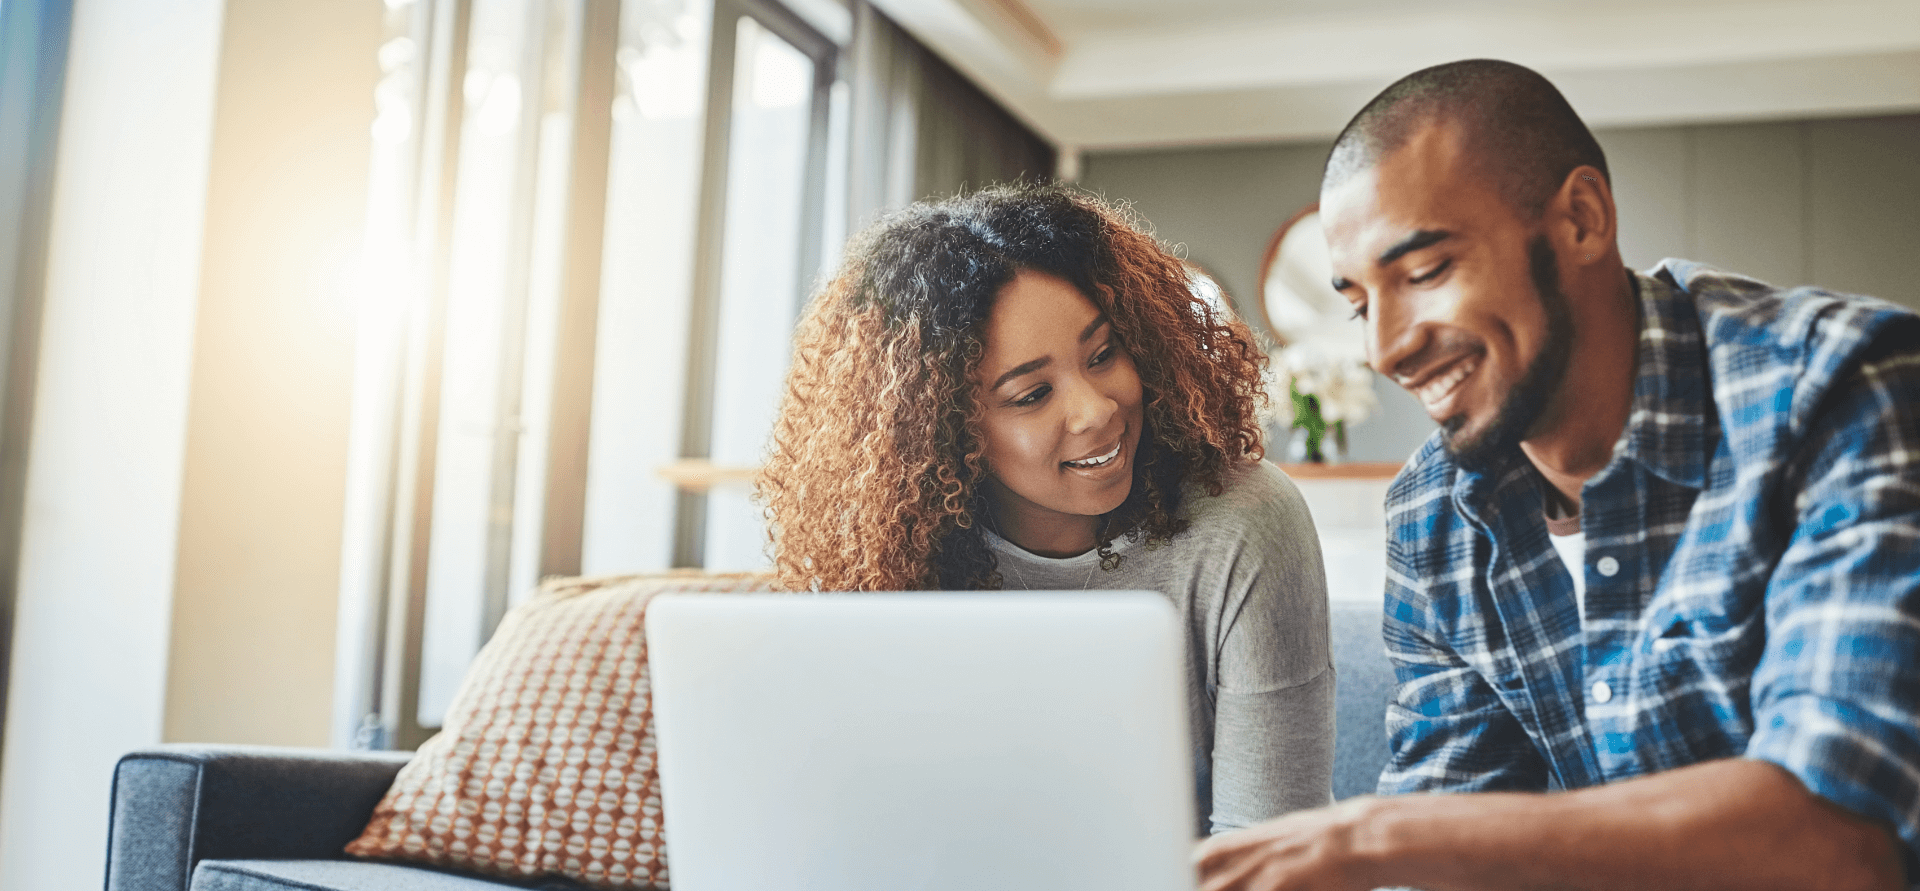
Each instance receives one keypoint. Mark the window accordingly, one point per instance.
(592, 227)
(653, 199)
(766, 191)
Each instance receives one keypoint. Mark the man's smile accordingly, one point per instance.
(1436, 386)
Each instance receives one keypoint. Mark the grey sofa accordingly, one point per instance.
(226, 818)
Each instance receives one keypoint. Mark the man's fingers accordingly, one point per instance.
(1243, 860)
(1231, 873)
(1222, 846)
(1284, 854)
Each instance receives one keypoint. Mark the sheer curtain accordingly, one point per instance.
(33, 66)
(921, 129)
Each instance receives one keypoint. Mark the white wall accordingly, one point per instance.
(103, 479)
(186, 477)
(1350, 517)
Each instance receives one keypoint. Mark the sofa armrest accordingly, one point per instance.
(176, 805)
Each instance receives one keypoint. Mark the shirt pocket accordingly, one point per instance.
(1713, 630)
(1694, 681)
(1510, 684)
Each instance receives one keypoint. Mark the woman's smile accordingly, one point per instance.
(1097, 461)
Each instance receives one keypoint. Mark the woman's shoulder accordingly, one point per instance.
(1267, 568)
(1253, 493)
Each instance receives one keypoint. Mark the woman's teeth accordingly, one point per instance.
(1440, 387)
(1095, 461)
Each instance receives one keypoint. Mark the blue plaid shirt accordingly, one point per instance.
(1752, 569)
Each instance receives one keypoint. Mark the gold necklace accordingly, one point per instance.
(1012, 563)
(993, 525)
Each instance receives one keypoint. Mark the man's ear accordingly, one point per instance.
(1587, 225)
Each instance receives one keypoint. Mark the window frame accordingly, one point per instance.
(696, 423)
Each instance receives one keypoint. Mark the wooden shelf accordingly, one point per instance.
(1351, 470)
(699, 475)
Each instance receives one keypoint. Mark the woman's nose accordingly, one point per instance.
(1089, 407)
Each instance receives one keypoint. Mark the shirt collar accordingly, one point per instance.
(1671, 428)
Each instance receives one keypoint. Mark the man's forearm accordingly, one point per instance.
(1736, 824)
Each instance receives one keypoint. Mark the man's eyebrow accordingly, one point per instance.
(1420, 239)
(1023, 368)
(1092, 327)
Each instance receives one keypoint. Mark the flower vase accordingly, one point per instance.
(1303, 447)
(1314, 441)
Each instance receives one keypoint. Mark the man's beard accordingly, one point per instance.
(1528, 399)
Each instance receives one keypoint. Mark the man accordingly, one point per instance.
(1654, 587)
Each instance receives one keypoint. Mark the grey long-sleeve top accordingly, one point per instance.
(1248, 581)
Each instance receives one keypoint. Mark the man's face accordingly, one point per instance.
(1461, 293)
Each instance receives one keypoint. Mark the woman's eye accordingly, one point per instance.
(1102, 357)
(1430, 276)
(1037, 394)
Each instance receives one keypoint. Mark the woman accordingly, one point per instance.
(1018, 389)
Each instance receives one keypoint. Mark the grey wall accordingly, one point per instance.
(1829, 202)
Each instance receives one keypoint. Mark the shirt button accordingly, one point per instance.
(1602, 692)
(1607, 566)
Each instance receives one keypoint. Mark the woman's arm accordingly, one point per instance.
(1272, 753)
(1274, 690)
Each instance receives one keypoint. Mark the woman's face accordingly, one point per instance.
(1061, 411)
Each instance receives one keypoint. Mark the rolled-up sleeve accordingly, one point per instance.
(1836, 696)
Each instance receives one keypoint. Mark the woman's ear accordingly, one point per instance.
(1587, 224)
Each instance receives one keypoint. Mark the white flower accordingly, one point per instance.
(1278, 411)
(1341, 384)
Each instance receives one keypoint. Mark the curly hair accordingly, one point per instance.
(874, 479)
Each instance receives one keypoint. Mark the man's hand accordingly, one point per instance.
(1735, 824)
(1317, 850)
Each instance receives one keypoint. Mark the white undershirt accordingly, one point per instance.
(1573, 552)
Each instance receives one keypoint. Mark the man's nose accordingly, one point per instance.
(1391, 338)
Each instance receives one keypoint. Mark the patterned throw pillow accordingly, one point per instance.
(544, 765)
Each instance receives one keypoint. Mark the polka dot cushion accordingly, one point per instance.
(545, 763)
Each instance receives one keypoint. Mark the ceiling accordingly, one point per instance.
(1093, 74)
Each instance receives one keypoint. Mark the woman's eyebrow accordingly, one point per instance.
(1024, 368)
(1099, 320)
(1044, 361)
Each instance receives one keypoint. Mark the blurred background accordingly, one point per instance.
(328, 327)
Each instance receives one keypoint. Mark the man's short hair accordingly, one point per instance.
(1520, 132)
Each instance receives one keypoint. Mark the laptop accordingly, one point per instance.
(1032, 741)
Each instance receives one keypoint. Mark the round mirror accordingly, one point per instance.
(1320, 353)
(1296, 284)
